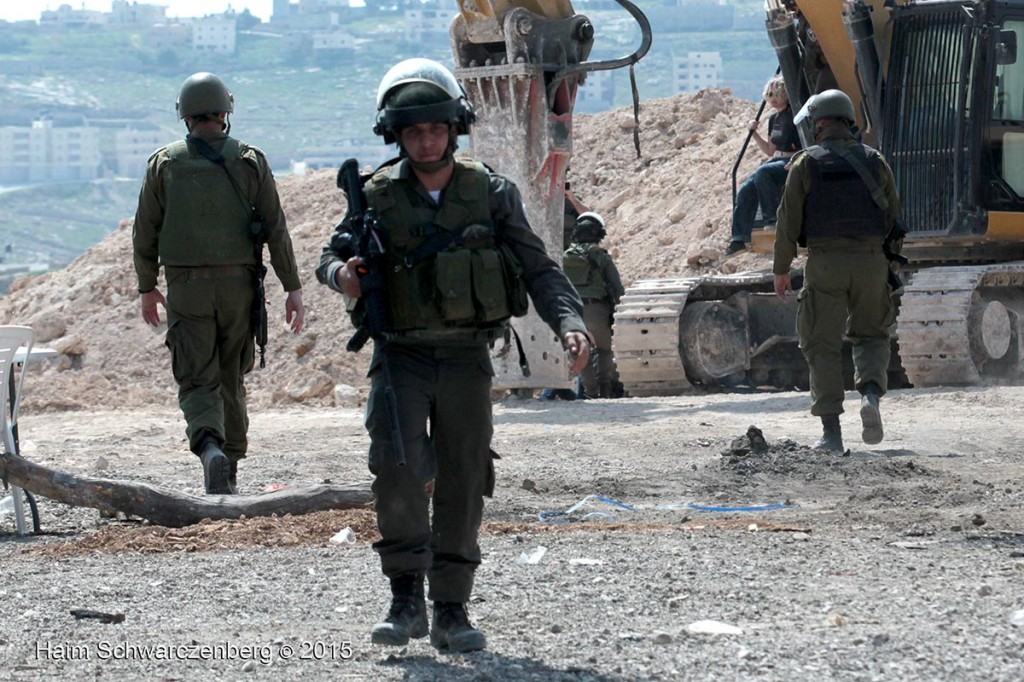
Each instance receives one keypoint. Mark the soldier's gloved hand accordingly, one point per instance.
(347, 277)
(578, 345)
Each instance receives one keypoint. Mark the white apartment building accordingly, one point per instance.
(139, 13)
(43, 153)
(597, 93)
(132, 149)
(333, 40)
(66, 16)
(427, 21)
(214, 34)
(696, 71)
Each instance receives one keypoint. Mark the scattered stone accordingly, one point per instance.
(662, 638)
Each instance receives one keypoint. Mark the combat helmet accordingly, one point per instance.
(827, 104)
(204, 93)
(589, 227)
(420, 91)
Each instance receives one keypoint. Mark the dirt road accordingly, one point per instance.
(903, 561)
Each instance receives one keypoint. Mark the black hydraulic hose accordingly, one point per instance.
(743, 152)
(646, 36)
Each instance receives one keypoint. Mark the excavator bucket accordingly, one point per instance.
(506, 58)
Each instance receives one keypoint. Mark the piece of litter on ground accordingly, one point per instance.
(913, 545)
(345, 536)
(712, 627)
(583, 561)
(533, 556)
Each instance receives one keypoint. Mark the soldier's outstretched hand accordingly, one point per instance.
(578, 345)
(150, 300)
(294, 310)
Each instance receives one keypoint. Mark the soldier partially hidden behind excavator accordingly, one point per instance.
(840, 201)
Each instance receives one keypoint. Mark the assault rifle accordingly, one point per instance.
(896, 232)
(368, 244)
(258, 311)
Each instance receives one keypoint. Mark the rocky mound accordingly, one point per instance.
(668, 214)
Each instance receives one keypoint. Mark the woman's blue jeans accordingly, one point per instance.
(764, 188)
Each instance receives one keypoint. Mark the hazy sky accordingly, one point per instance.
(14, 10)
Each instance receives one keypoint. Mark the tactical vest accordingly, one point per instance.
(581, 266)
(446, 268)
(839, 203)
(205, 221)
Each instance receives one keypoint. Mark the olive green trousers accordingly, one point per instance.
(444, 406)
(212, 349)
(845, 291)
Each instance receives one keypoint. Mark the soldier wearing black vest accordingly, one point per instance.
(195, 219)
(840, 201)
(452, 233)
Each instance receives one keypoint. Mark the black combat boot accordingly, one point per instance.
(233, 477)
(216, 467)
(870, 417)
(451, 630)
(407, 617)
(832, 434)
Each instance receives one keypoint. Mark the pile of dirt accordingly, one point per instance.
(668, 215)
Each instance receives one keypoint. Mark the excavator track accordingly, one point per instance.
(960, 326)
(646, 331)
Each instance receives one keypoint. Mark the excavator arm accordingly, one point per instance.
(521, 63)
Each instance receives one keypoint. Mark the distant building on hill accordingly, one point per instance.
(215, 34)
(132, 148)
(428, 20)
(597, 93)
(696, 71)
(44, 153)
(124, 12)
(67, 17)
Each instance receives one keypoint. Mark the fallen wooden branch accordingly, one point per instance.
(170, 508)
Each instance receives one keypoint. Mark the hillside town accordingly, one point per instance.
(51, 144)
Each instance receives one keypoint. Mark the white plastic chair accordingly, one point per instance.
(15, 348)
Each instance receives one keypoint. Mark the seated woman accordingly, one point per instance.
(764, 186)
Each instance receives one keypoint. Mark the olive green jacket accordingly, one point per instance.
(253, 176)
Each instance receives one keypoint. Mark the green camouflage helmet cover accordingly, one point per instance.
(204, 93)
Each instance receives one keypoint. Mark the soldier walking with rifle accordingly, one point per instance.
(840, 201)
(435, 255)
(207, 206)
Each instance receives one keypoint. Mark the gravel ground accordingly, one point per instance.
(900, 562)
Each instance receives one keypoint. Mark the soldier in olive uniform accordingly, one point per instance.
(592, 271)
(459, 258)
(195, 217)
(841, 198)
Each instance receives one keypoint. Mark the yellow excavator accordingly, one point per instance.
(521, 63)
(939, 88)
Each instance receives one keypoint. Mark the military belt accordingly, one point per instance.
(175, 273)
(454, 337)
(847, 248)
